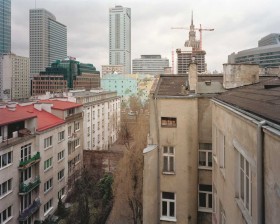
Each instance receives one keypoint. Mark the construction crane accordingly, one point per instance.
(200, 29)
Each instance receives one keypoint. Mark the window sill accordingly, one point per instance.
(60, 140)
(60, 160)
(48, 211)
(46, 170)
(7, 220)
(168, 219)
(205, 168)
(4, 167)
(6, 194)
(61, 179)
(47, 191)
(48, 148)
(208, 210)
(168, 173)
(244, 211)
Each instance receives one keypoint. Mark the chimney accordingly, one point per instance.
(192, 75)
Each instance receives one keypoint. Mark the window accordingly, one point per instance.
(61, 136)
(169, 122)
(25, 152)
(168, 206)
(205, 155)
(5, 187)
(77, 143)
(76, 126)
(5, 159)
(69, 131)
(48, 164)
(47, 142)
(48, 185)
(26, 174)
(6, 214)
(70, 111)
(205, 198)
(61, 193)
(25, 201)
(60, 155)
(168, 159)
(60, 174)
(221, 149)
(88, 116)
(245, 182)
(48, 206)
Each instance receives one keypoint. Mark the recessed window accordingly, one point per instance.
(168, 210)
(205, 155)
(61, 136)
(60, 155)
(48, 164)
(205, 198)
(5, 187)
(60, 174)
(168, 122)
(5, 159)
(48, 142)
(48, 206)
(25, 152)
(168, 159)
(6, 214)
(48, 185)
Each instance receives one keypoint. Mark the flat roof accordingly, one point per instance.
(61, 105)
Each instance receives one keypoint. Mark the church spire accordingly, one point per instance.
(192, 19)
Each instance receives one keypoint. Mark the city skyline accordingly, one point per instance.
(236, 28)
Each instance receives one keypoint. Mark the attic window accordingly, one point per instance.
(170, 122)
(208, 83)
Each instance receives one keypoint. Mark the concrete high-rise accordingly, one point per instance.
(120, 37)
(47, 40)
(5, 26)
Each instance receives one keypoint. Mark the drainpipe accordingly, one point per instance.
(260, 173)
(158, 160)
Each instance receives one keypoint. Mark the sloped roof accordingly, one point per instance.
(262, 99)
(61, 105)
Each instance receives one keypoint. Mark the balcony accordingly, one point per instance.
(26, 213)
(74, 117)
(29, 162)
(25, 188)
(72, 137)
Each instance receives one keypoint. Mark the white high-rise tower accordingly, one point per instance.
(120, 37)
(47, 40)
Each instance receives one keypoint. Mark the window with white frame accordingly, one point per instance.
(26, 174)
(60, 175)
(221, 148)
(25, 152)
(48, 185)
(60, 155)
(5, 187)
(61, 136)
(245, 183)
(76, 126)
(69, 131)
(205, 198)
(168, 206)
(25, 201)
(77, 143)
(47, 142)
(48, 206)
(6, 215)
(205, 155)
(61, 192)
(168, 159)
(6, 159)
(48, 164)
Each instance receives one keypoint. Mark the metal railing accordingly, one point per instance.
(25, 188)
(26, 213)
(32, 159)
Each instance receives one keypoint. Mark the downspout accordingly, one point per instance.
(158, 160)
(260, 173)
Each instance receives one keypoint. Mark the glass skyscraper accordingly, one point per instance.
(48, 40)
(5, 26)
(120, 37)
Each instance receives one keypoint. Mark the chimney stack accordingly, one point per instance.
(192, 75)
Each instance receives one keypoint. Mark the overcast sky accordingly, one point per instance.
(238, 25)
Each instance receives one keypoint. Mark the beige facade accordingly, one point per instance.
(110, 69)
(177, 185)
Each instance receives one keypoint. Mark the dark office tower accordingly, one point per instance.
(5, 26)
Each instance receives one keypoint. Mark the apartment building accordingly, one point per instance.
(101, 121)
(110, 69)
(246, 143)
(34, 160)
(177, 178)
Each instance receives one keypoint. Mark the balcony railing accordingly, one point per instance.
(27, 163)
(25, 188)
(26, 213)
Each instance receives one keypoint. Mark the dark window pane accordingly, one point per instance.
(165, 163)
(209, 200)
(164, 208)
(202, 200)
(168, 195)
(172, 209)
(171, 168)
(204, 187)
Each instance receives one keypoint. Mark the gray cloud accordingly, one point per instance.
(238, 25)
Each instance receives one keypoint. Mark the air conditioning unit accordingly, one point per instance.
(15, 134)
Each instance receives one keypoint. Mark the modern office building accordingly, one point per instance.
(64, 75)
(149, 64)
(14, 77)
(266, 55)
(5, 26)
(47, 40)
(120, 37)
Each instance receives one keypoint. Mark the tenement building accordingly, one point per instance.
(37, 158)
(177, 177)
(246, 150)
